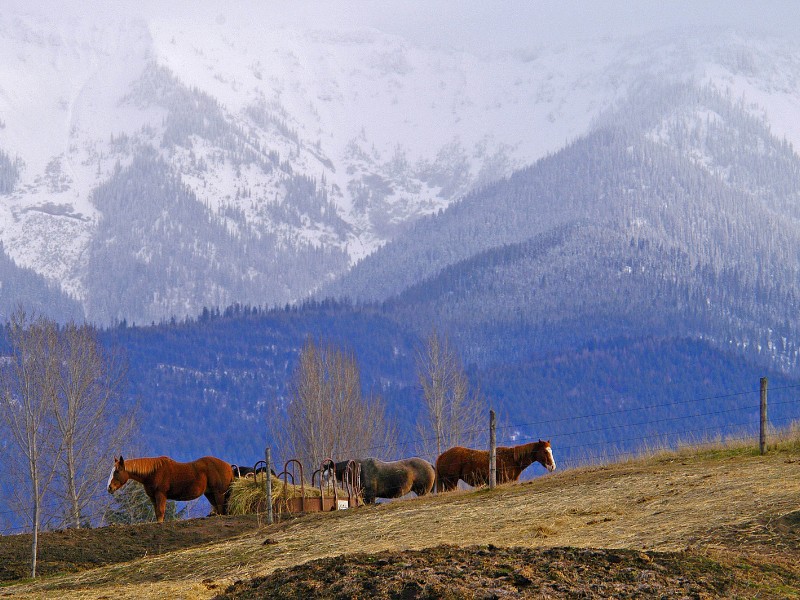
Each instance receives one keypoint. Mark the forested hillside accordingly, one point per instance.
(212, 385)
(620, 233)
(158, 250)
(19, 284)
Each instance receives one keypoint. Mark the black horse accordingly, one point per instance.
(250, 472)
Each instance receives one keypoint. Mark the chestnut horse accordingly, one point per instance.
(165, 479)
(472, 466)
(392, 479)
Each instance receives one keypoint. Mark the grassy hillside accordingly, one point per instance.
(707, 522)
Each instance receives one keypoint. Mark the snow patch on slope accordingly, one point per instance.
(388, 129)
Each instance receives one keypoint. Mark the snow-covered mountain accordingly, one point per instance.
(155, 164)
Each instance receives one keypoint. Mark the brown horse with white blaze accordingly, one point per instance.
(472, 466)
(165, 479)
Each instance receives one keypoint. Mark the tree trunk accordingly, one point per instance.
(72, 491)
(35, 537)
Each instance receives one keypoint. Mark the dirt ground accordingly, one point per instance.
(447, 571)
(758, 559)
(489, 572)
(75, 550)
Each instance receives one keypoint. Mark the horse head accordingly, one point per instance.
(239, 472)
(263, 469)
(544, 455)
(330, 471)
(119, 476)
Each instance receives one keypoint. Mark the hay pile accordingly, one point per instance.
(248, 495)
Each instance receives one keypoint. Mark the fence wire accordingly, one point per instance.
(573, 437)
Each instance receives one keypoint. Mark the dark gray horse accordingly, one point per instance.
(392, 479)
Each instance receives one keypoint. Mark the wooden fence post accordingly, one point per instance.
(268, 482)
(762, 439)
(492, 451)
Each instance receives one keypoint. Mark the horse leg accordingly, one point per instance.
(226, 498)
(369, 496)
(159, 505)
(420, 488)
(221, 503)
(212, 500)
(447, 483)
(218, 502)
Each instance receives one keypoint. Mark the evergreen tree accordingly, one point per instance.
(132, 505)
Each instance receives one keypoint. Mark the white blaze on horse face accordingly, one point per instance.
(552, 463)
(110, 479)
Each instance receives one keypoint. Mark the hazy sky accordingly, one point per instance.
(469, 23)
(526, 22)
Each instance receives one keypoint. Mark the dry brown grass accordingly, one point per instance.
(717, 497)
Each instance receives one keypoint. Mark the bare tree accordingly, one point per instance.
(87, 414)
(327, 415)
(453, 414)
(28, 385)
(58, 392)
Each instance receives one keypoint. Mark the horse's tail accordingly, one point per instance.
(227, 495)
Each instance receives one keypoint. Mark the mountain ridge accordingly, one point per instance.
(334, 139)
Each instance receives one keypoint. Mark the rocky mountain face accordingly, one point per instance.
(153, 167)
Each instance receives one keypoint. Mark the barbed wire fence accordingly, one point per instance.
(611, 435)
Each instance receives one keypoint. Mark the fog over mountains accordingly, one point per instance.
(157, 163)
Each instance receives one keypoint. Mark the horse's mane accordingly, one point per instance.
(524, 451)
(144, 466)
